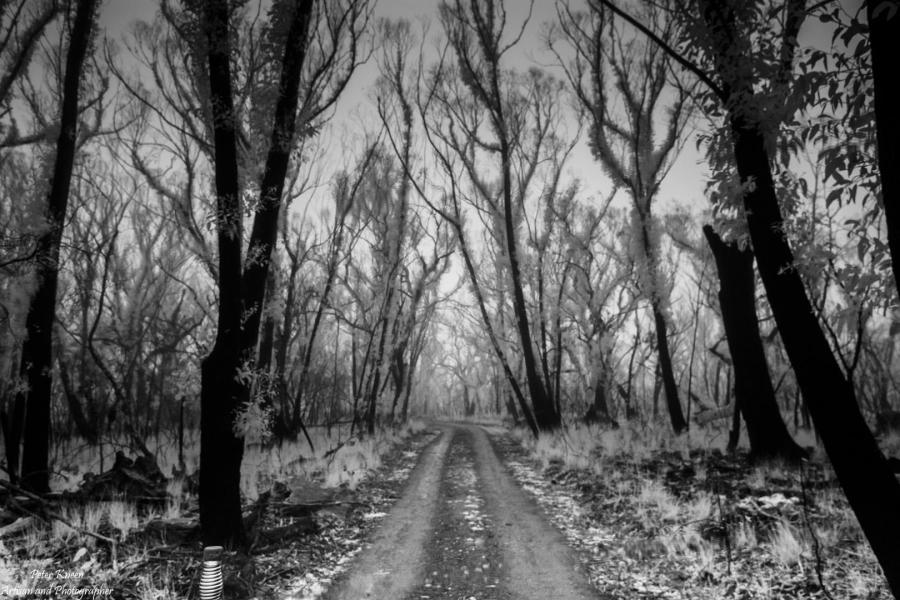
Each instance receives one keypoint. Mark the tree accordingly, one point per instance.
(871, 488)
(753, 390)
(521, 117)
(22, 24)
(37, 351)
(626, 145)
(884, 39)
(597, 279)
(319, 44)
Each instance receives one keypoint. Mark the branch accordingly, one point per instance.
(681, 60)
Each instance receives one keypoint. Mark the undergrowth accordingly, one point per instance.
(108, 540)
(694, 521)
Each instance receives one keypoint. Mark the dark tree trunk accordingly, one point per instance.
(599, 409)
(267, 341)
(884, 37)
(734, 436)
(871, 488)
(753, 390)
(279, 426)
(545, 415)
(265, 222)
(667, 372)
(13, 425)
(511, 378)
(85, 428)
(221, 450)
(241, 287)
(333, 261)
(37, 351)
(657, 387)
(407, 390)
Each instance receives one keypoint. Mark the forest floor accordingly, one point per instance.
(467, 512)
(658, 520)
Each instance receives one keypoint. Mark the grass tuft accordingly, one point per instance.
(785, 545)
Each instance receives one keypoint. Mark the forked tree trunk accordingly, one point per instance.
(241, 288)
(37, 351)
(753, 390)
(221, 450)
(871, 488)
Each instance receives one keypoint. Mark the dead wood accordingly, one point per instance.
(174, 532)
(135, 479)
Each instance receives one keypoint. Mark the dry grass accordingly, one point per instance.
(785, 545)
(675, 507)
(579, 446)
(123, 517)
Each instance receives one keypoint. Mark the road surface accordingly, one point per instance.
(463, 530)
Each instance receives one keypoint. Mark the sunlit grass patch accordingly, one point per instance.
(350, 464)
(61, 531)
(123, 517)
(700, 508)
(743, 536)
(655, 498)
(785, 545)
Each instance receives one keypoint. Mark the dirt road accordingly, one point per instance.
(464, 530)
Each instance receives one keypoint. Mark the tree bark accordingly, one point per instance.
(884, 38)
(871, 488)
(37, 351)
(753, 390)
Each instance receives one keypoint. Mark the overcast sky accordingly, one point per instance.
(683, 186)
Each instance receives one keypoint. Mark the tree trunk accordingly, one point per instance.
(871, 488)
(265, 221)
(599, 409)
(37, 351)
(241, 287)
(489, 328)
(753, 390)
(267, 341)
(657, 387)
(85, 428)
(734, 436)
(221, 450)
(545, 416)
(884, 38)
(667, 372)
(13, 426)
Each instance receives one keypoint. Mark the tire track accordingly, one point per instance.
(464, 559)
(539, 565)
(464, 530)
(393, 563)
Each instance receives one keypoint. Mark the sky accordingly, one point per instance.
(684, 184)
